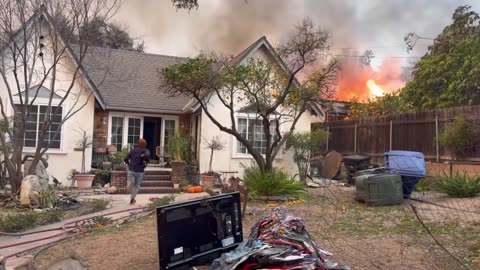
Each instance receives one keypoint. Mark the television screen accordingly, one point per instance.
(199, 231)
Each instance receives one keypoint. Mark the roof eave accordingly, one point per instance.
(83, 72)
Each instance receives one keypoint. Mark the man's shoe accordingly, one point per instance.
(132, 201)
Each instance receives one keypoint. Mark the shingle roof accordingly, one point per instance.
(130, 81)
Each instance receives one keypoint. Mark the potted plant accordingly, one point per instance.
(177, 147)
(215, 144)
(83, 179)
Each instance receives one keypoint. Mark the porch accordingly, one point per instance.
(120, 131)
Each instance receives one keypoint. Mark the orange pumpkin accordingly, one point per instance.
(191, 190)
(198, 189)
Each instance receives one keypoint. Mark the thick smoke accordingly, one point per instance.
(230, 26)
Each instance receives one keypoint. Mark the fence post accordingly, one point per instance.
(355, 139)
(328, 138)
(436, 138)
(391, 134)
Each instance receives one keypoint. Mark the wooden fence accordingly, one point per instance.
(417, 131)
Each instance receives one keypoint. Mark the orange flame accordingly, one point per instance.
(356, 81)
(375, 90)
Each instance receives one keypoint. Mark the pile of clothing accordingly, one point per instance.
(278, 241)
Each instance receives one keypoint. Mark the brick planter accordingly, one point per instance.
(178, 172)
(119, 180)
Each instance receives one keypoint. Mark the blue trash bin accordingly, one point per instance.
(410, 165)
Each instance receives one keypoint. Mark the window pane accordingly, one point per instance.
(242, 129)
(252, 130)
(52, 135)
(259, 137)
(117, 132)
(30, 143)
(169, 131)
(31, 124)
(133, 131)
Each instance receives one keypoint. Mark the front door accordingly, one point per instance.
(152, 134)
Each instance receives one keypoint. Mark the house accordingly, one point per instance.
(124, 101)
(329, 110)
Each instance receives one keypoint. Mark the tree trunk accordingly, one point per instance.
(211, 159)
(268, 164)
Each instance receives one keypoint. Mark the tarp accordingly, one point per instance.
(278, 241)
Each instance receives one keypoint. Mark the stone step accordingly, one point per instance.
(156, 184)
(155, 172)
(160, 177)
(154, 190)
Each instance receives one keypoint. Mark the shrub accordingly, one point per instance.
(25, 221)
(118, 157)
(302, 144)
(102, 177)
(50, 216)
(459, 136)
(46, 198)
(20, 222)
(459, 185)
(95, 205)
(274, 183)
(156, 202)
(425, 184)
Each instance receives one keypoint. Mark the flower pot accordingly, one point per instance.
(208, 181)
(84, 180)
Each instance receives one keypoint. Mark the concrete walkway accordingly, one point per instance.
(118, 203)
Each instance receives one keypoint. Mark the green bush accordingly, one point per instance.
(20, 222)
(95, 205)
(425, 184)
(459, 136)
(274, 183)
(25, 221)
(303, 144)
(118, 157)
(161, 201)
(459, 185)
(46, 198)
(50, 216)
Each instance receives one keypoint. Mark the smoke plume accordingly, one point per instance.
(229, 26)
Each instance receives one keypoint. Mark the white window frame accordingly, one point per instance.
(140, 116)
(235, 142)
(125, 117)
(164, 119)
(45, 102)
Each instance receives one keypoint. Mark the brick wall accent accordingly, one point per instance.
(100, 131)
(119, 180)
(178, 172)
(185, 123)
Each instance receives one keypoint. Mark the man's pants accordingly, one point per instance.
(134, 181)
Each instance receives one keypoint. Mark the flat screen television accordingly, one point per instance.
(197, 232)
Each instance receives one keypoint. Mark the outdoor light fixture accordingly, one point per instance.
(103, 120)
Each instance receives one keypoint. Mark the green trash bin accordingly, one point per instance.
(375, 187)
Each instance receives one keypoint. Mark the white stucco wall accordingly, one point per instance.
(228, 159)
(61, 161)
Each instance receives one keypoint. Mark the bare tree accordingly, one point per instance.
(267, 88)
(36, 56)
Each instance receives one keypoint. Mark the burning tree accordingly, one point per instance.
(38, 66)
(269, 88)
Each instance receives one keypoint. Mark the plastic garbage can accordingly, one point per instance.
(410, 165)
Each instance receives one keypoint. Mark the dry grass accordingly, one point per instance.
(362, 237)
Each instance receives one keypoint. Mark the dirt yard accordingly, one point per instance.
(361, 237)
